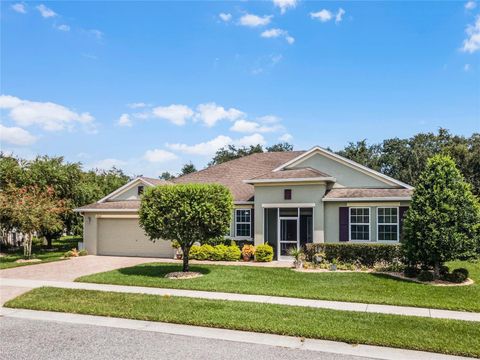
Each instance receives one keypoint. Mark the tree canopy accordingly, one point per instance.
(443, 221)
(231, 152)
(187, 213)
(188, 169)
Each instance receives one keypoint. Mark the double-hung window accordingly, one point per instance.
(360, 224)
(243, 221)
(387, 224)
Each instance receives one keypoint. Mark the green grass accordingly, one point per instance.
(436, 335)
(356, 287)
(40, 252)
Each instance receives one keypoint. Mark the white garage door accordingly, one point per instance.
(125, 237)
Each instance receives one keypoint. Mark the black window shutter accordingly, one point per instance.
(252, 223)
(401, 216)
(343, 216)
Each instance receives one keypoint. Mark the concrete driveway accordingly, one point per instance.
(66, 270)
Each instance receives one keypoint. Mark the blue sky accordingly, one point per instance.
(149, 86)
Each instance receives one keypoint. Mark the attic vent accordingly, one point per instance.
(140, 190)
(287, 194)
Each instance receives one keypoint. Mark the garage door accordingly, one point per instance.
(125, 237)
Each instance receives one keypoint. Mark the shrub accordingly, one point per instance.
(363, 254)
(248, 250)
(444, 270)
(83, 252)
(68, 254)
(457, 276)
(263, 253)
(410, 272)
(425, 276)
(232, 253)
(218, 252)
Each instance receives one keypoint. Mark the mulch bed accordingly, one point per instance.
(180, 275)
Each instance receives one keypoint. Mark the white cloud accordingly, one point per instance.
(472, 42)
(285, 4)
(269, 119)
(322, 15)
(285, 137)
(470, 5)
(45, 11)
(108, 164)
(158, 155)
(63, 27)
(137, 105)
(466, 67)
(274, 33)
(253, 127)
(339, 15)
(97, 33)
(16, 136)
(255, 20)
(20, 8)
(210, 113)
(225, 17)
(176, 114)
(124, 120)
(210, 147)
(49, 116)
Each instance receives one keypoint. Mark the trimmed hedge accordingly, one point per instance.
(363, 254)
(263, 253)
(215, 253)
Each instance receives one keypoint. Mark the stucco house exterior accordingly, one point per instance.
(287, 199)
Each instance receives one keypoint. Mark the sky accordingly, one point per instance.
(150, 86)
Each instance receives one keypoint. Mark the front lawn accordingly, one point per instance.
(60, 246)
(356, 287)
(437, 335)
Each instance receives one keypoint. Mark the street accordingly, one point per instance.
(35, 339)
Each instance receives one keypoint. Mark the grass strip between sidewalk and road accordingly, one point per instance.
(415, 333)
(369, 288)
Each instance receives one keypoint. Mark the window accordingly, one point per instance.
(359, 224)
(140, 190)
(387, 224)
(287, 194)
(243, 222)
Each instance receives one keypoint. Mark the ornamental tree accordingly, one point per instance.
(187, 213)
(31, 209)
(443, 220)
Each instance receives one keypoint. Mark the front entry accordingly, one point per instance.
(288, 235)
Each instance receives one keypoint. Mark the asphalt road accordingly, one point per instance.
(34, 339)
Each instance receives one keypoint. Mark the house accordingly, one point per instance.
(284, 198)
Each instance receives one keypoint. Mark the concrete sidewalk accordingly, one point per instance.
(322, 304)
(319, 346)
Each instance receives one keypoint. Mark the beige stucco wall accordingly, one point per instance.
(120, 234)
(273, 194)
(332, 220)
(344, 174)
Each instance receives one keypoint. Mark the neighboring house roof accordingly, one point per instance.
(362, 194)
(291, 174)
(232, 173)
(120, 205)
(153, 181)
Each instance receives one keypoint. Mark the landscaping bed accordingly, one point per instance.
(40, 254)
(437, 335)
(338, 286)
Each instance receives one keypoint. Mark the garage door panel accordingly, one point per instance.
(125, 237)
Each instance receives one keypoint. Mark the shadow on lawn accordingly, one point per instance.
(394, 278)
(159, 270)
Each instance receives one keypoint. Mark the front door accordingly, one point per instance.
(288, 235)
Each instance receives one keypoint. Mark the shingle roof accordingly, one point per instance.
(113, 205)
(347, 193)
(302, 173)
(232, 173)
(155, 181)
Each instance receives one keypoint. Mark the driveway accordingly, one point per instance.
(67, 270)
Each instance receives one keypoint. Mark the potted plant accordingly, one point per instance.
(333, 265)
(178, 251)
(298, 256)
(247, 252)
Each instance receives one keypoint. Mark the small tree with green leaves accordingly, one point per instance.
(443, 221)
(187, 213)
(31, 209)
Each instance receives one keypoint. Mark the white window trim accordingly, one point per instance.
(350, 223)
(242, 222)
(397, 223)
